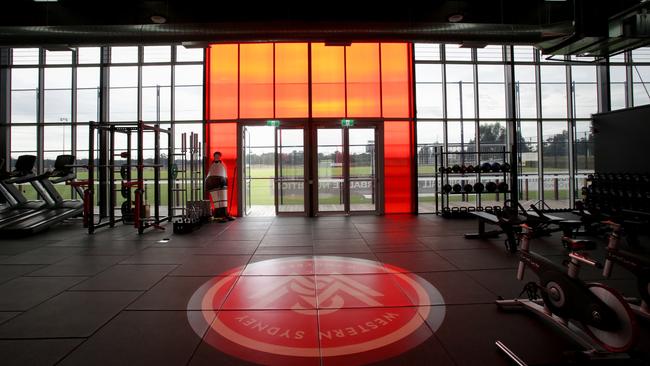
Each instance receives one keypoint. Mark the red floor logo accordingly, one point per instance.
(296, 310)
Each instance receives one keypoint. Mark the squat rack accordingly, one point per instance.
(107, 132)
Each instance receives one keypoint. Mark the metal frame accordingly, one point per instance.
(108, 130)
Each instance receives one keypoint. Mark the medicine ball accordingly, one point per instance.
(446, 188)
(467, 188)
(457, 188)
(491, 187)
(479, 187)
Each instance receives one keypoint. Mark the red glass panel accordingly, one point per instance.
(256, 80)
(398, 157)
(291, 80)
(395, 80)
(362, 80)
(223, 137)
(328, 81)
(222, 85)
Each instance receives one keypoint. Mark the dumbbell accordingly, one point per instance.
(469, 169)
(479, 187)
(496, 167)
(486, 167)
(455, 168)
(491, 187)
(502, 187)
(467, 188)
(505, 167)
(457, 188)
(447, 188)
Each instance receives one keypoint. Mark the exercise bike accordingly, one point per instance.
(635, 263)
(592, 314)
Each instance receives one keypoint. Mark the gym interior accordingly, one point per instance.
(457, 183)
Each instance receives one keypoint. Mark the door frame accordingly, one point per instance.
(310, 128)
(379, 166)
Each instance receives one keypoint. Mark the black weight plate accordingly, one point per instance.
(124, 172)
(126, 192)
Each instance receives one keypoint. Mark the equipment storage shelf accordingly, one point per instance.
(467, 181)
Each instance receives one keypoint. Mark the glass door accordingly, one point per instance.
(290, 170)
(362, 182)
(346, 169)
(246, 171)
(330, 163)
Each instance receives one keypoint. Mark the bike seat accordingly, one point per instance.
(578, 244)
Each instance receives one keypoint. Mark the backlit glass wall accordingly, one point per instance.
(307, 81)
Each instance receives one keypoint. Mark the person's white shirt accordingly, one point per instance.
(218, 170)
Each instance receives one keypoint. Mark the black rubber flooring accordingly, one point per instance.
(392, 290)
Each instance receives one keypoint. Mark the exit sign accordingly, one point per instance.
(347, 122)
(273, 123)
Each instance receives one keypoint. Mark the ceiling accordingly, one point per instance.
(85, 21)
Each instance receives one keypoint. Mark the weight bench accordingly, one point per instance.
(508, 226)
(485, 218)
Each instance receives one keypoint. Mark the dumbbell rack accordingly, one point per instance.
(610, 192)
(447, 159)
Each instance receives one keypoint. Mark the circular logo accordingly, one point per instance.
(295, 309)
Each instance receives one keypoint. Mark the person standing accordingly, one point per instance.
(216, 183)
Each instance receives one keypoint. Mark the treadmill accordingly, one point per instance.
(59, 210)
(17, 206)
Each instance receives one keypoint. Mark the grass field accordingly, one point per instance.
(262, 189)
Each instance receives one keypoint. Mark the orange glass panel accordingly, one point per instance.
(256, 80)
(291, 80)
(398, 157)
(328, 81)
(223, 137)
(362, 80)
(395, 80)
(222, 86)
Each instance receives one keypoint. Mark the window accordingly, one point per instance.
(24, 95)
(58, 95)
(121, 55)
(554, 96)
(428, 90)
(584, 89)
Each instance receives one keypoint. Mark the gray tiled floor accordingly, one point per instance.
(118, 298)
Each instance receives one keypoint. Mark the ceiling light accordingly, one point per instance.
(455, 18)
(158, 19)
